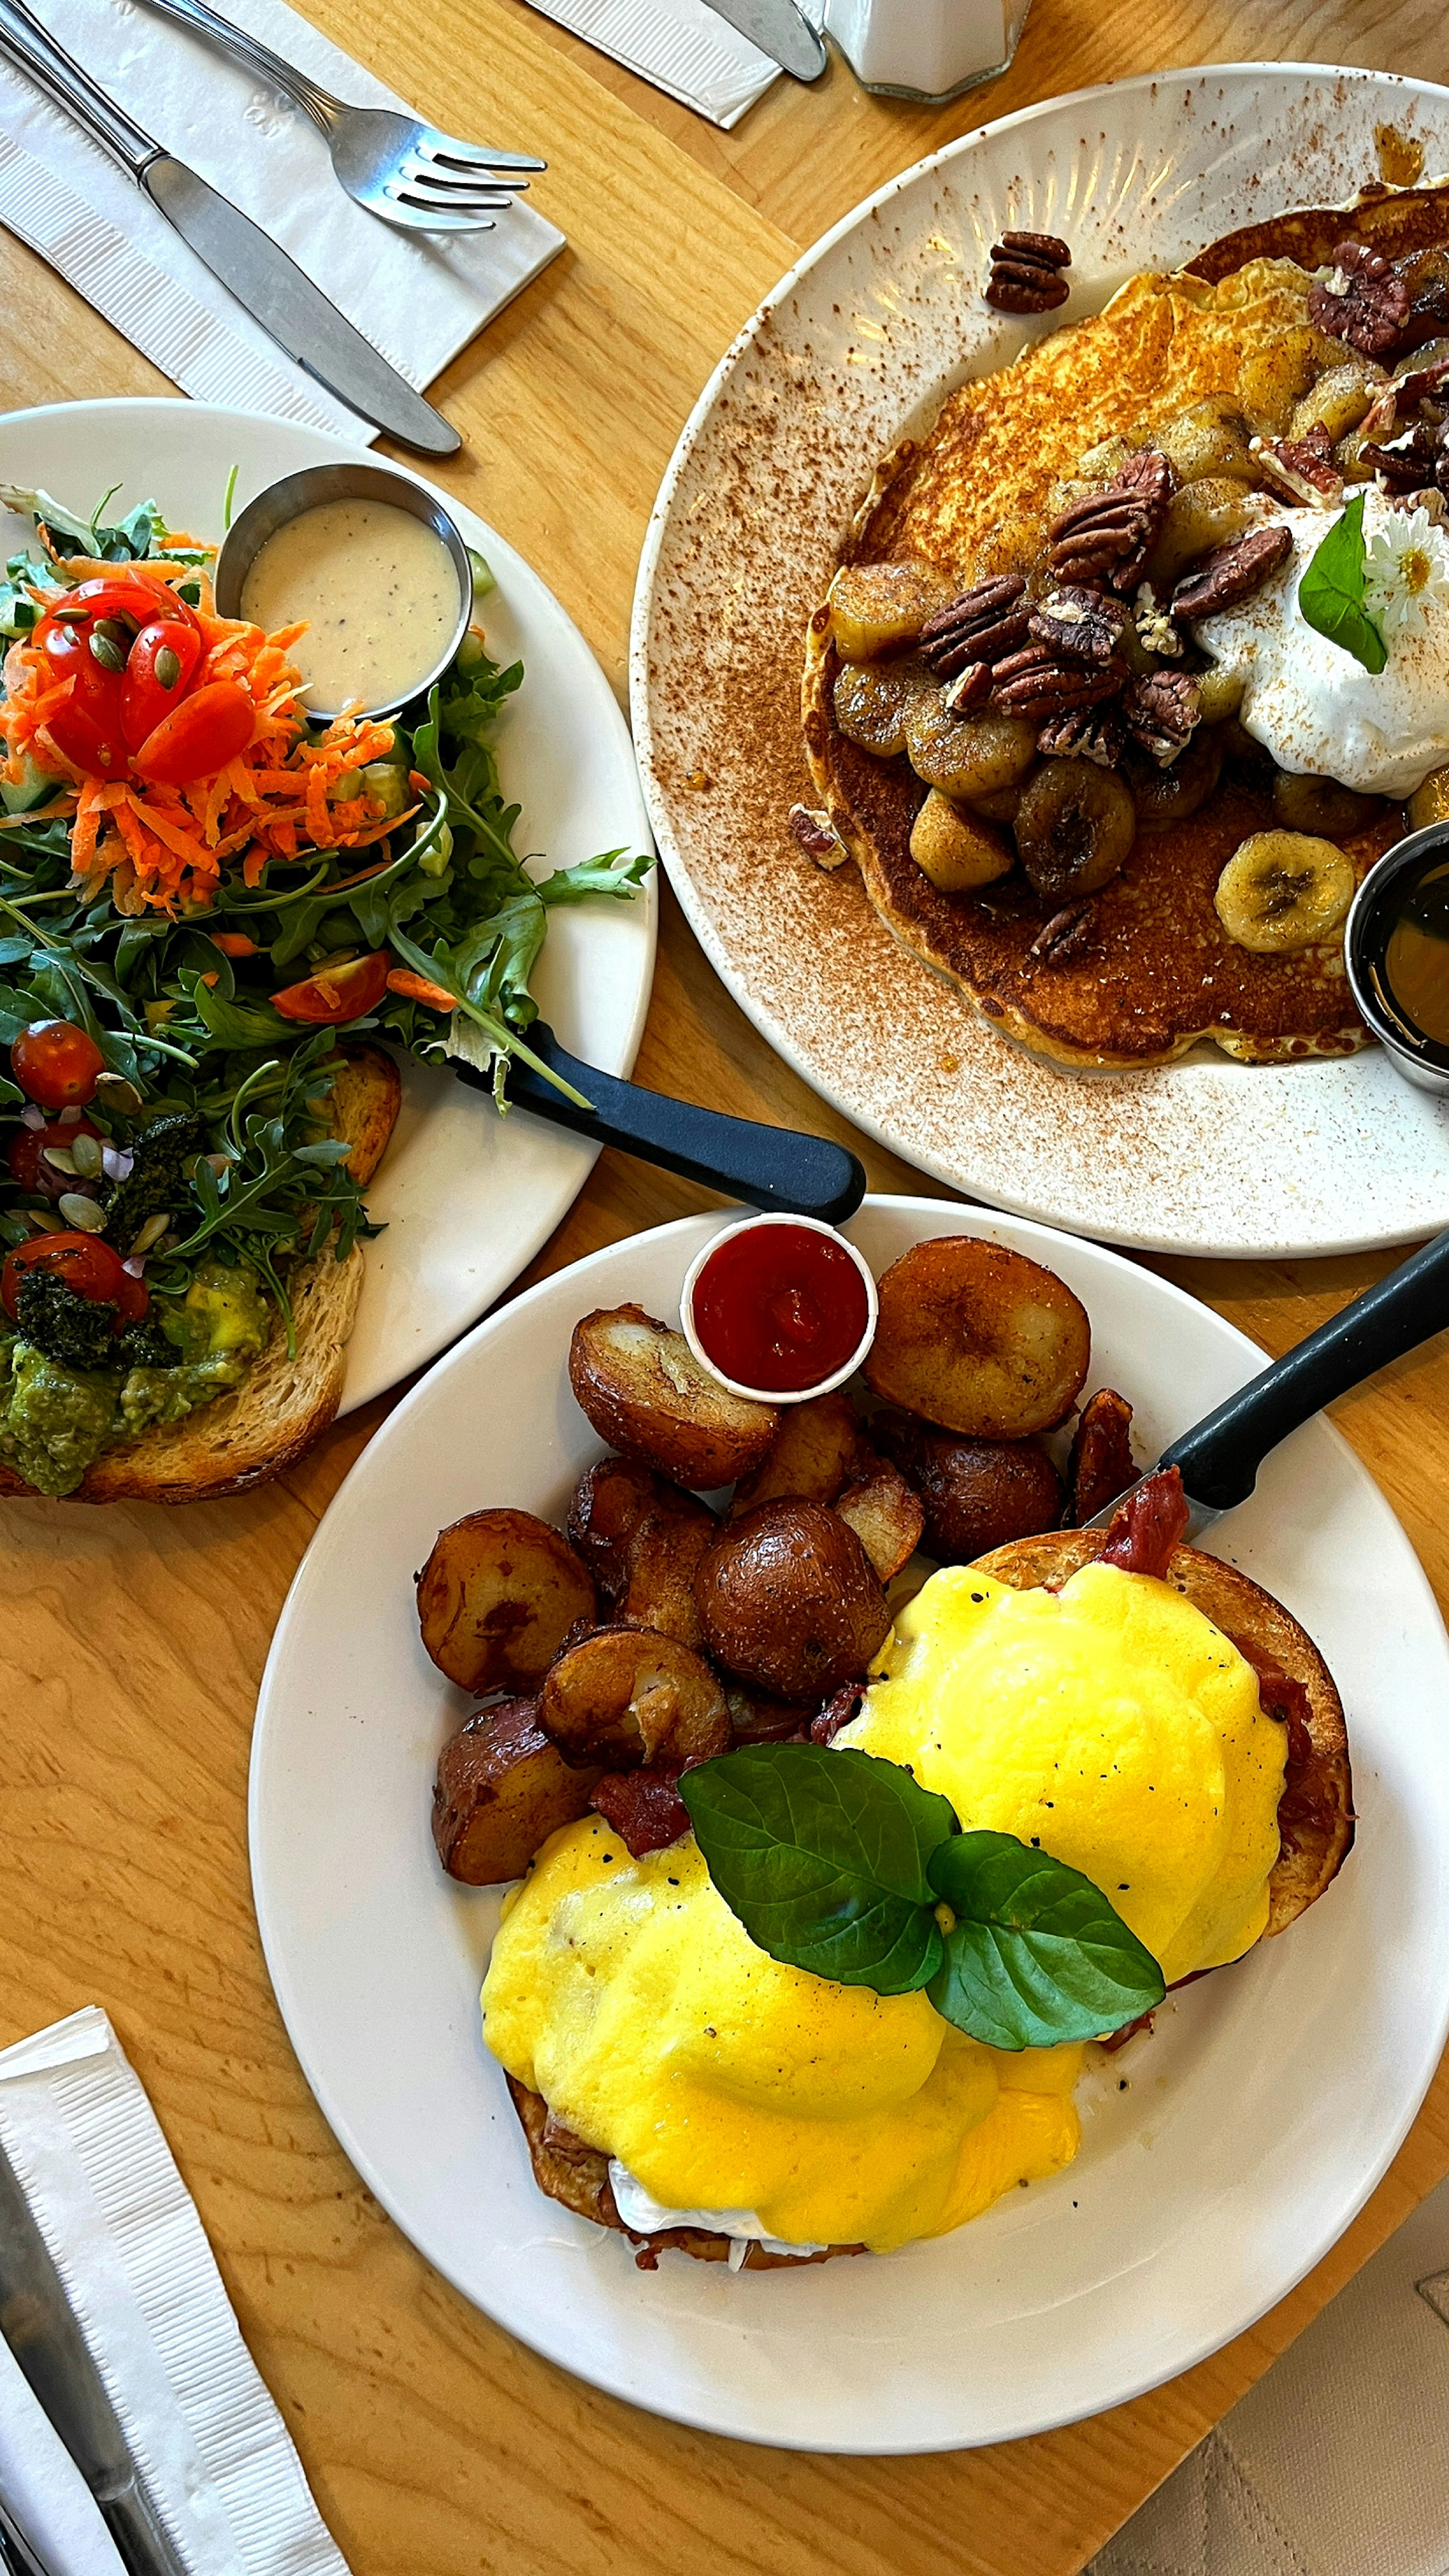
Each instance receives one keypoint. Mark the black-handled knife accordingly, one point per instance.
(1219, 1458)
(772, 1168)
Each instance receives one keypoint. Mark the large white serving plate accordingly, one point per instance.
(854, 348)
(466, 1197)
(1256, 2119)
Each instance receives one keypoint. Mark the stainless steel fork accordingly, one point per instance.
(409, 174)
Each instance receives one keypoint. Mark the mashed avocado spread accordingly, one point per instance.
(55, 1418)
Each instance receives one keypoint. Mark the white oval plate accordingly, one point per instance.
(1257, 2118)
(855, 347)
(466, 1197)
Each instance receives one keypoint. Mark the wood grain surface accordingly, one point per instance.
(131, 1641)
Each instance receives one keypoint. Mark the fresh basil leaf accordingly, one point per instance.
(822, 1854)
(1331, 592)
(1037, 1955)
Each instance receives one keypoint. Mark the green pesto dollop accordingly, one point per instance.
(56, 1420)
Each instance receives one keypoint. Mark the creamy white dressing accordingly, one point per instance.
(378, 589)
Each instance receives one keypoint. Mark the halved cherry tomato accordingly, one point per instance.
(134, 593)
(417, 988)
(84, 1263)
(87, 729)
(199, 737)
(26, 1157)
(160, 668)
(337, 993)
(56, 1064)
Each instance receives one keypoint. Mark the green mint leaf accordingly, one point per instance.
(1037, 1955)
(1331, 592)
(823, 1856)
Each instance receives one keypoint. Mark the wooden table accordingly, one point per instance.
(132, 1641)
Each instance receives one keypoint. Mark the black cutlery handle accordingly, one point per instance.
(775, 1169)
(1221, 1455)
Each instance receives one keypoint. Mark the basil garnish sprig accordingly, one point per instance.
(1331, 593)
(840, 1863)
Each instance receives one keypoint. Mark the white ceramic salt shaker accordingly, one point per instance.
(926, 49)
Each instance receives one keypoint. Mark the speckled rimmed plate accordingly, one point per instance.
(855, 348)
(1256, 2119)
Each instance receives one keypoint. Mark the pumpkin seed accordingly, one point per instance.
(85, 1155)
(150, 1234)
(82, 1213)
(115, 1092)
(59, 1157)
(106, 652)
(168, 667)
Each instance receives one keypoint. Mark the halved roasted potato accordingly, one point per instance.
(497, 1596)
(818, 1449)
(978, 1339)
(1101, 1465)
(642, 1539)
(975, 1493)
(886, 1516)
(626, 1696)
(645, 1392)
(501, 1790)
(790, 1600)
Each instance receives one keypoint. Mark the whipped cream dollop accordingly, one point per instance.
(1311, 703)
(647, 2216)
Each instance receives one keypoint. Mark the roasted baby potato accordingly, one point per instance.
(759, 1719)
(790, 1601)
(496, 1598)
(625, 1697)
(886, 1517)
(642, 1539)
(818, 1449)
(976, 1338)
(645, 1392)
(1101, 1465)
(971, 1489)
(501, 1790)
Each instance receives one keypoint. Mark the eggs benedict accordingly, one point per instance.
(1178, 1742)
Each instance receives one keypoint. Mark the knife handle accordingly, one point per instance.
(24, 42)
(773, 1168)
(1221, 1455)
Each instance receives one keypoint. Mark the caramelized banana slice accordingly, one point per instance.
(1320, 806)
(874, 701)
(1074, 827)
(1213, 437)
(881, 608)
(1430, 801)
(956, 851)
(1283, 890)
(968, 756)
(1339, 400)
(1199, 519)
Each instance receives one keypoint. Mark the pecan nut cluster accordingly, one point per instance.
(1363, 302)
(1026, 273)
(1106, 537)
(1233, 573)
(1085, 733)
(1300, 470)
(981, 627)
(1085, 625)
(1160, 711)
(1416, 458)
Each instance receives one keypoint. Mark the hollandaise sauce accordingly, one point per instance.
(378, 590)
(780, 1308)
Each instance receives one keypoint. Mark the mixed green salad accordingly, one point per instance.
(171, 1023)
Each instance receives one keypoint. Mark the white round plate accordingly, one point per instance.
(855, 348)
(466, 1197)
(1256, 2120)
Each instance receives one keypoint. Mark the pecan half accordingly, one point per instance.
(1300, 469)
(1026, 273)
(1363, 302)
(1066, 934)
(970, 688)
(1085, 733)
(1161, 711)
(1107, 536)
(983, 625)
(1086, 625)
(1419, 383)
(1039, 683)
(1402, 464)
(1231, 575)
(811, 826)
(1153, 477)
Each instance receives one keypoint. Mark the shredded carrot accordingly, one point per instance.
(416, 988)
(234, 943)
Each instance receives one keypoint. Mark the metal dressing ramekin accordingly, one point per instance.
(1420, 1059)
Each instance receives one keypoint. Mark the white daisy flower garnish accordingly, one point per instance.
(1406, 574)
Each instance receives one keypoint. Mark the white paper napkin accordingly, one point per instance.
(681, 46)
(419, 298)
(214, 2455)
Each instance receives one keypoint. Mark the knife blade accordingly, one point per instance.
(249, 264)
(41, 2329)
(1219, 1458)
(780, 31)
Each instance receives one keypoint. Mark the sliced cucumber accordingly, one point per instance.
(31, 790)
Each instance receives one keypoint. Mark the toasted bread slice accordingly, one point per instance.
(363, 1106)
(1315, 1812)
(578, 2176)
(282, 1406)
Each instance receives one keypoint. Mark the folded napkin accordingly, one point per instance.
(681, 46)
(419, 297)
(214, 2456)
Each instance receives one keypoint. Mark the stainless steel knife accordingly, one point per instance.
(38, 2324)
(260, 276)
(1219, 1458)
(780, 30)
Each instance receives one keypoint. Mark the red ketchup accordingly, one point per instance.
(780, 1308)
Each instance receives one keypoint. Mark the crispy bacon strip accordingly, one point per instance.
(1102, 1465)
(1151, 1523)
(1305, 1810)
(644, 1808)
(845, 1705)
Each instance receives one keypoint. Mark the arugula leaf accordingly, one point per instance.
(1331, 592)
(1037, 1955)
(823, 1856)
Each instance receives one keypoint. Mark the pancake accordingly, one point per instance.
(1149, 969)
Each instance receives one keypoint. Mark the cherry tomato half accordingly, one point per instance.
(199, 737)
(160, 668)
(133, 593)
(26, 1157)
(337, 993)
(87, 729)
(56, 1064)
(84, 1263)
